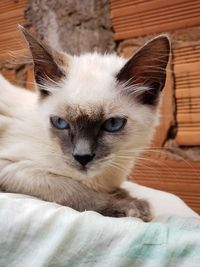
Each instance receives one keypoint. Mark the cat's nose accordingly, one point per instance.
(84, 159)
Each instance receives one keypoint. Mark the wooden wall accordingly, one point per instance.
(11, 14)
(187, 80)
(133, 18)
(178, 177)
(12, 45)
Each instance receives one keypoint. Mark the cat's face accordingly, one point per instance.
(100, 110)
(95, 124)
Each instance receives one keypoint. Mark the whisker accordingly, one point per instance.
(159, 163)
(117, 166)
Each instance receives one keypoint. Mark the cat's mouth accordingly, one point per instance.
(95, 166)
(83, 169)
(92, 167)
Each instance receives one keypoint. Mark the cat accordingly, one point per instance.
(76, 139)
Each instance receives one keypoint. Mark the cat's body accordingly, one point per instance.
(55, 164)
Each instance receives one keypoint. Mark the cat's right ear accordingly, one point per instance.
(144, 74)
(49, 65)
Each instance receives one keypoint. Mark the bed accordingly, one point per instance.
(38, 233)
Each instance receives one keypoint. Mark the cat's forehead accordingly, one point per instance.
(91, 79)
(90, 89)
(95, 63)
(87, 113)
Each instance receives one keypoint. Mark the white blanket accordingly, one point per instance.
(36, 233)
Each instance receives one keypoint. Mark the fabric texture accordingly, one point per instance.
(35, 233)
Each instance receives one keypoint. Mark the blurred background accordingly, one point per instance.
(173, 162)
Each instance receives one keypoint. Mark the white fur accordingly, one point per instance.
(31, 159)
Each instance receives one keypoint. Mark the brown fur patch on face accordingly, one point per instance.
(84, 134)
(92, 112)
(62, 60)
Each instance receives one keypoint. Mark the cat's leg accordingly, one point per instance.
(116, 204)
(121, 204)
(72, 193)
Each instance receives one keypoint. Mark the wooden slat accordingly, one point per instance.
(178, 177)
(116, 4)
(182, 138)
(11, 14)
(189, 109)
(185, 69)
(188, 49)
(183, 129)
(10, 41)
(187, 126)
(187, 80)
(12, 24)
(193, 21)
(146, 7)
(11, 4)
(188, 101)
(191, 106)
(136, 18)
(10, 75)
(189, 117)
(151, 19)
(188, 92)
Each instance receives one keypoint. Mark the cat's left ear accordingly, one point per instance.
(145, 73)
(49, 65)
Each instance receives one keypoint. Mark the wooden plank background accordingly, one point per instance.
(133, 18)
(178, 177)
(11, 14)
(187, 81)
(12, 44)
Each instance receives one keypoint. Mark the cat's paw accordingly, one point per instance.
(123, 205)
(139, 209)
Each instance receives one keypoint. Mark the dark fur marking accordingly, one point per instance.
(46, 70)
(147, 68)
(82, 198)
(83, 127)
(123, 205)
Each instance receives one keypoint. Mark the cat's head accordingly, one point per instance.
(100, 109)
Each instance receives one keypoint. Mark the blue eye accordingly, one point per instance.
(114, 124)
(59, 123)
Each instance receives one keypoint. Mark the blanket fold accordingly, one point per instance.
(36, 233)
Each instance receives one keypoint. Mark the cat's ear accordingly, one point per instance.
(49, 65)
(147, 70)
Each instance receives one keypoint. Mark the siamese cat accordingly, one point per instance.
(75, 140)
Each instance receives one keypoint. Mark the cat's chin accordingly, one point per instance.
(89, 172)
(93, 169)
(83, 169)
